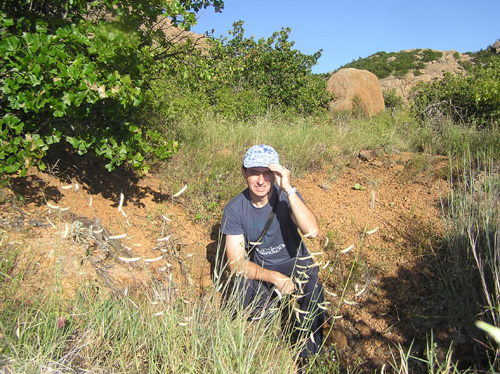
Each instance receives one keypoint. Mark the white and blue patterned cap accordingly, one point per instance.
(260, 156)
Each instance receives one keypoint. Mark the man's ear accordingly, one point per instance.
(243, 172)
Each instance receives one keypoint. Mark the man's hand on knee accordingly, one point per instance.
(284, 284)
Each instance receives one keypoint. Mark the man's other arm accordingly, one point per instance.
(235, 251)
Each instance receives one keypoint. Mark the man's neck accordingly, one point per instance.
(260, 202)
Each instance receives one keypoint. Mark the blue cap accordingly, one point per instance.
(260, 156)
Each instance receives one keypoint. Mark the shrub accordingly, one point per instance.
(428, 55)
(470, 99)
(391, 99)
(277, 74)
(76, 72)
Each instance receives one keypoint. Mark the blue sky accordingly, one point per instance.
(347, 30)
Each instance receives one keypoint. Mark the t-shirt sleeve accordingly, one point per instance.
(231, 221)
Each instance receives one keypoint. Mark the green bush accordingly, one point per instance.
(69, 72)
(277, 74)
(428, 55)
(470, 99)
(242, 79)
(391, 99)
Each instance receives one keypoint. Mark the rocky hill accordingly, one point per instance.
(403, 70)
(450, 61)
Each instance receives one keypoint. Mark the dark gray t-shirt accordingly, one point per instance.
(282, 240)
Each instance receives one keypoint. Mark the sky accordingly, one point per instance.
(347, 30)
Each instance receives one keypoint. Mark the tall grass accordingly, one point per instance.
(471, 270)
(129, 333)
(211, 150)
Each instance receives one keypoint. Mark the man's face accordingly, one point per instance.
(260, 180)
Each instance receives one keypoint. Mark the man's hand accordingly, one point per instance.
(302, 216)
(282, 176)
(284, 284)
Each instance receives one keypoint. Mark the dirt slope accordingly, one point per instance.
(387, 208)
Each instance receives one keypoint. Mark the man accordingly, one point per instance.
(278, 262)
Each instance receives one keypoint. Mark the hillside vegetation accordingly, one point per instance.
(85, 84)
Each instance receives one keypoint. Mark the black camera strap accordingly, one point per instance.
(267, 225)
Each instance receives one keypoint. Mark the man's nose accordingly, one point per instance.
(261, 179)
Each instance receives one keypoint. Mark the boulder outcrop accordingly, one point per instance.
(450, 61)
(356, 90)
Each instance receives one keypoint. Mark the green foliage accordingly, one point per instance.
(270, 69)
(235, 78)
(391, 99)
(384, 64)
(482, 57)
(472, 99)
(70, 73)
(428, 55)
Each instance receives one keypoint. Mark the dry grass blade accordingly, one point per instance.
(359, 293)
(317, 253)
(347, 249)
(181, 191)
(120, 236)
(129, 259)
(330, 293)
(166, 238)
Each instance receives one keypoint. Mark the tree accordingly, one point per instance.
(75, 71)
(280, 74)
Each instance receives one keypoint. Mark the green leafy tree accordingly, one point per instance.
(269, 69)
(76, 71)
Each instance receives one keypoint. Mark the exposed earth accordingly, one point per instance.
(387, 209)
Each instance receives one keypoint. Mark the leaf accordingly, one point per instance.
(10, 44)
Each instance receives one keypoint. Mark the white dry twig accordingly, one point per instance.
(121, 236)
(181, 191)
(360, 292)
(347, 249)
(352, 303)
(129, 259)
(163, 239)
